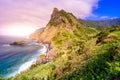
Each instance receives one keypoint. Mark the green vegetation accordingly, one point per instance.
(105, 65)
(83, 53)
(109, 34)
(83, 60)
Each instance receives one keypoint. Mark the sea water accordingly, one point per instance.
(15, 59)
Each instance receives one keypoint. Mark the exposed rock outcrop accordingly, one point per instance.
(60, 20)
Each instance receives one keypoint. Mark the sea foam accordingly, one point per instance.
(6, 45)
(28, 64)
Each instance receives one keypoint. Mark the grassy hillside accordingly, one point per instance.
(87, 60)
(81, 53)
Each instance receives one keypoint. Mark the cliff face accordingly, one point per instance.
(62, 30)
(59, 19)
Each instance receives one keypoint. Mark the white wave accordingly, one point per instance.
(44, 49)
(34, 44)
(37, 44)
(23, 67)
(28, 64)
(11, 75)
(6, 45)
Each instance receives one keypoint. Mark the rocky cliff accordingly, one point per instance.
(62, 23)
(59, 20)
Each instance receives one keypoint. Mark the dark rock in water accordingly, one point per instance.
(19, 43)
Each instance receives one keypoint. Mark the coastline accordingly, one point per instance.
(33, 60)
(44, 53)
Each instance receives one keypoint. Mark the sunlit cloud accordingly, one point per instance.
(18, 30)
(37, 12)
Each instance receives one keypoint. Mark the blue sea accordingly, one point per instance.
(15, 59)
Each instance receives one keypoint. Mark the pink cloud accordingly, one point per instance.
(37, 12)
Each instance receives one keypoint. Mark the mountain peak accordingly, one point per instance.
(55, 10)
(62, 17)
(55, 17)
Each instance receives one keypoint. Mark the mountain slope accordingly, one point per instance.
(62, 26)
(77, 52)
(36, 34)
(100, 24)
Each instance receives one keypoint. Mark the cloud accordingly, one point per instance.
(37, 12)
(115, 17)
(104, 17)
(108, 17)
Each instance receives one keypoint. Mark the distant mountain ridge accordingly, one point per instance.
(100, 24)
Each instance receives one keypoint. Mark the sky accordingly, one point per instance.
(25, 16)
(107, 9)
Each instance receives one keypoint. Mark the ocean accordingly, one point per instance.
(15, 59)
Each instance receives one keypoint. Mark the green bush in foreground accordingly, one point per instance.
(104, 66)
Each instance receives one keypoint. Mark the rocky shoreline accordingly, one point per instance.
(49, 55)
(44, 56)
